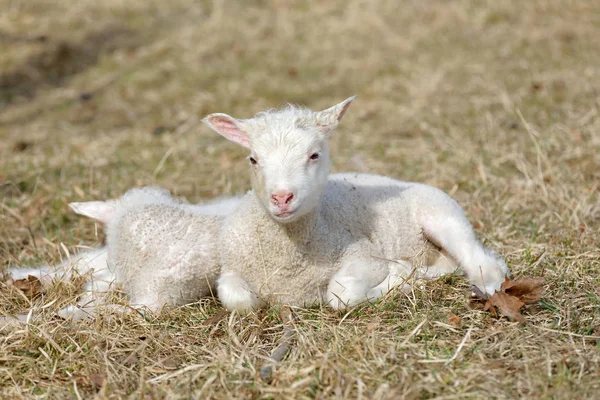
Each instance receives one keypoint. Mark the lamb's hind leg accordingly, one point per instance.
(94, 295)
(444, 224)
(439, 263)
(82, 262)
(401, 272)
(360, 280)
(91, 304)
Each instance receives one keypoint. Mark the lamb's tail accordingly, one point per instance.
(93, 263)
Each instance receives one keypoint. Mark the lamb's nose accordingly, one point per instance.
(281, 198)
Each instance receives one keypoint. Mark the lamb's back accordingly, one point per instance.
(166, 248)
(382, 210)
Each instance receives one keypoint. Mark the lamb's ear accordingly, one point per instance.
(328, 119)
(102, 211)
(228, 127)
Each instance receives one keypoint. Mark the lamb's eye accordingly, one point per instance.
(253, 160)
(315, 156)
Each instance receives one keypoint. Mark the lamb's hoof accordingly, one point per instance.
(476, 292)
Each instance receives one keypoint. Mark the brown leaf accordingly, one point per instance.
(513, 295)
(489, 306)
(97, 380)
(30, 287)
(508, 305)
(454, 319)
(528, 290)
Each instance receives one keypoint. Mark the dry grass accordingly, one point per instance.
(496, 102)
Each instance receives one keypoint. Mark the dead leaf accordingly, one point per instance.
(507, 305)
(528, 290)
(454, 319)
(513, 295)
(477, 224)
(490, 307)
(97, 380)
(30, 287)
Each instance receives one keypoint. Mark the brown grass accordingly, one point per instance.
(495, 102)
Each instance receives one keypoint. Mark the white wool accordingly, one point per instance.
(159, 250)
(337, 240)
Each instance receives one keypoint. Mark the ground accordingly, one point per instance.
(498, 103)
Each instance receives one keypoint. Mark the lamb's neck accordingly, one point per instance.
(301, 231)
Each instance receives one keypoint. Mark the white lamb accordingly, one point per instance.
(161, 251)
(300, 237)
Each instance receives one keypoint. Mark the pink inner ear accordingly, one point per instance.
(344, 109)
(230, 129)
(331, 116)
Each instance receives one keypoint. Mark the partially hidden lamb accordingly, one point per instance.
(302, 237)
(159, 251)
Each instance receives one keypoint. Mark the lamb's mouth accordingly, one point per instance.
(284, 215)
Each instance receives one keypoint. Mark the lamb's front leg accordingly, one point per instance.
(362, 279)
(446, 225)
(235, 294)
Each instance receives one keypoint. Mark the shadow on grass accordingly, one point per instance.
(59, 61)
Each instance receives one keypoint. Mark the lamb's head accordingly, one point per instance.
(289, 155)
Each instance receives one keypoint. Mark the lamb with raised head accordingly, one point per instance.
(159, 250)
(301, 237)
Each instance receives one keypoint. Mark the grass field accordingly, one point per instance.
(496, 102)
